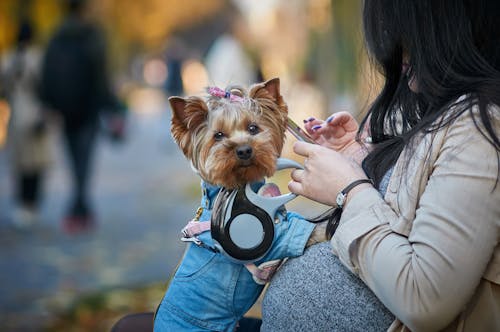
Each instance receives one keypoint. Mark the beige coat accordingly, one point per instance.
(20, 72)
(429, 249)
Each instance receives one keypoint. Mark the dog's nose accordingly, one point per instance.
(244, 152)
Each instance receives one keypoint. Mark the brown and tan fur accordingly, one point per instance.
(196, 122)
(211, 131)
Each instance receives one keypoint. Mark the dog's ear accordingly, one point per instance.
(269, 89)
(187, 115)
(273, 87)
(177, 104)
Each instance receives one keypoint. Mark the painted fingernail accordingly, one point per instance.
(310, 119)
(316, 127)
(330, 118)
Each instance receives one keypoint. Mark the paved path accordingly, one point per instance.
(144, 191)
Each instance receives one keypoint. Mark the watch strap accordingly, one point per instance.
(342, 196)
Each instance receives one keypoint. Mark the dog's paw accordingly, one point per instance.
(318, 234)
(263, 273)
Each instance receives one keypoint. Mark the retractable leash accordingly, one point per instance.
(242, 222)
(242, 226)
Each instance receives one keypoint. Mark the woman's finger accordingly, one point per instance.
(308, 125)
(297, 175)
(311, 128)
(303, 148)
(343, 119)
(322, 130)
(295, 187)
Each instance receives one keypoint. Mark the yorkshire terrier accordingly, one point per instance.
(231, 138)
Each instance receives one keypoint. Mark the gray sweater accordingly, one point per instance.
(316, 292)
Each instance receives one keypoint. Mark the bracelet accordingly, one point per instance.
(342, 196)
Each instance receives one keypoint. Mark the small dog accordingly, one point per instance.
(231, 138)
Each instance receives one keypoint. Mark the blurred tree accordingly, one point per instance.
(346, 16)
(44, 14)
(8, 22)
(334, 51)
(131, 25)
(137, 26)
(150, 22)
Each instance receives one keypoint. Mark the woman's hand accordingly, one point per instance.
(338, 132)
(326, 172)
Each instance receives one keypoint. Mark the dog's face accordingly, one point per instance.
(232, 142)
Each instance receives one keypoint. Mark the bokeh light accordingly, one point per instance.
(194, 76)
(4, 121)
(155, 72)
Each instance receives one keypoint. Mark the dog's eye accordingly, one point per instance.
(219, 135)
(253, 129)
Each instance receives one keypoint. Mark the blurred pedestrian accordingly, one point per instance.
(228, 61)
(75, 85)
(28, 135)
(175, 54)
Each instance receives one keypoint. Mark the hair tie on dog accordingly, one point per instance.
(218, 92)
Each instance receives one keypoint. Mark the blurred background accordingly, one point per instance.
(141, 187)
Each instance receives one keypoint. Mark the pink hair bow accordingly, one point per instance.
(218, 92)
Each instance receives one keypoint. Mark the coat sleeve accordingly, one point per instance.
(427, 276)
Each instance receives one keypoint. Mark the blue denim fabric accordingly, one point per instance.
(209, 292)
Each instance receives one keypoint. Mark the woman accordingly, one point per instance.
(424, 237)
(28, 136)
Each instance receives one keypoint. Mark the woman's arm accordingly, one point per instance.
(427, 278)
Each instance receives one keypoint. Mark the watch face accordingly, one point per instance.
(340, 199)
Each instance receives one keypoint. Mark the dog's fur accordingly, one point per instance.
(211, 133)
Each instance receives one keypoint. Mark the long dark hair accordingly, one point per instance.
(454, 50)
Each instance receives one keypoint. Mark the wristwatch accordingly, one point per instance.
(342, 196)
